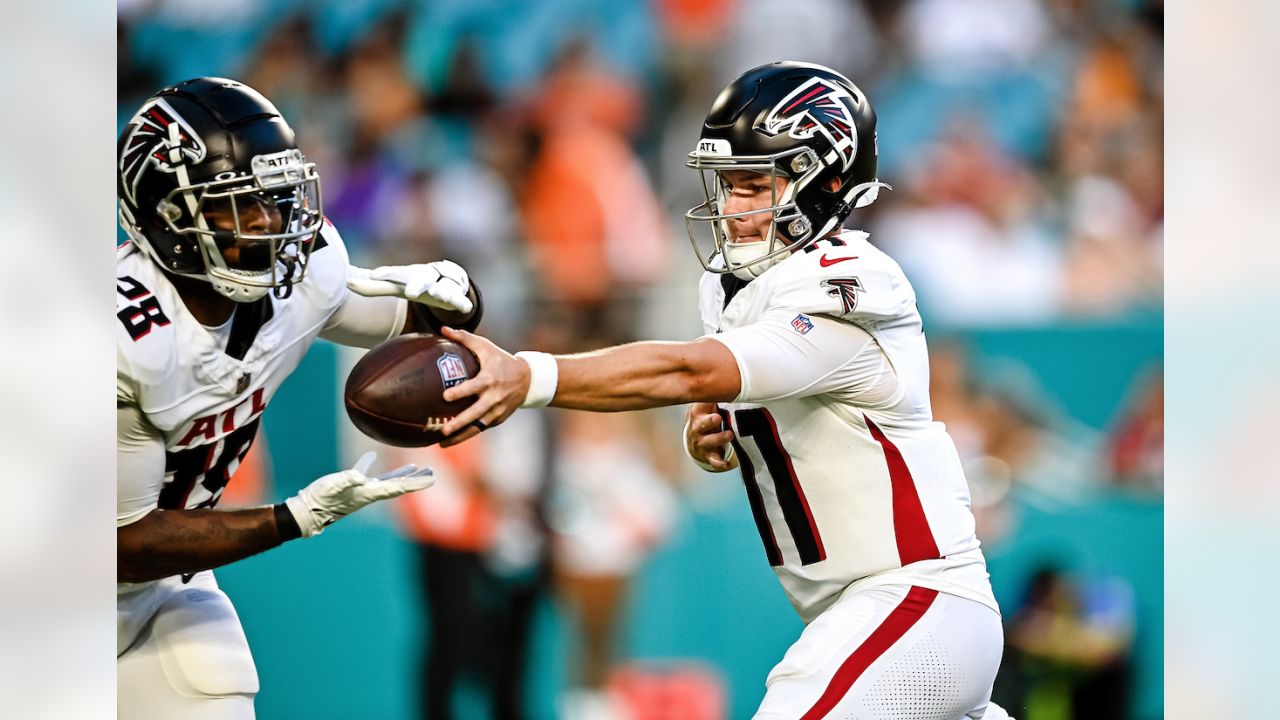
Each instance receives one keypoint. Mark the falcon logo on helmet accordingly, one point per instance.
(817, 106)
(160, 137)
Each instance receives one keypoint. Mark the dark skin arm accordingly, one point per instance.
(169, 542)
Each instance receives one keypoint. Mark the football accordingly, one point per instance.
(394, 393)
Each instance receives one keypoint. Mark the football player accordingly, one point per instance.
(812, 380)
(230, 273)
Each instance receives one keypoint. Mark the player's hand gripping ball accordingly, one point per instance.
(393, 394)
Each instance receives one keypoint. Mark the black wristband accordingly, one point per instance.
(286, 523)
(435, 318)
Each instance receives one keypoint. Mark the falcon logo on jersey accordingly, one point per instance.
(452, 371)
(817, 106)
(846, 289)
(161, 138)
(802, 324)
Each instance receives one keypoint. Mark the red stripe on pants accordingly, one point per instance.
(900, 620)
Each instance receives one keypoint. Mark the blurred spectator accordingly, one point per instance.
(954, 397)
(989, 60)
(579, 92)
(610, 507)
(594, 226)
(1045, 452)
(1008, 431)
(689, 25)
(383, 136)
(1110, 156)
(463, 91)
(404, 223)
(1113, 259)
(484, 555)
(958, 403)
(1135, 453)
(1069, 650)
(966, 227)
(1066, 228)
(835, 33)
(381, 96)
(183, 39)
(974, 37)
(483, 559)
(467, 211)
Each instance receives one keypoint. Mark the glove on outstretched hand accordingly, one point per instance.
(339, 494)
(442, 284)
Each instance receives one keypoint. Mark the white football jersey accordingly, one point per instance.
(850, 480)
(204, 390)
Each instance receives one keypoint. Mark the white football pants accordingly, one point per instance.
(891, 652)
(182, 655)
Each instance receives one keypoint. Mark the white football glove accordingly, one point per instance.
(441, 284)
(339, 494)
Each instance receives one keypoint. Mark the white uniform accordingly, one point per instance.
(189, 399)
(858, 495)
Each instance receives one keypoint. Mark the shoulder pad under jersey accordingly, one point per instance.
(844, 277)
(146, 334)
(710, 301)
(326, 281)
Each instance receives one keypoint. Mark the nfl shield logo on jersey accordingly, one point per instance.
(802, 324)
(452, 371)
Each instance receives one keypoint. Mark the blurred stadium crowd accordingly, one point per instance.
(541, 145)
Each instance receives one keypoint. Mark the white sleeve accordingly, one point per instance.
(139, 465)
(366, 321)
(787, 354)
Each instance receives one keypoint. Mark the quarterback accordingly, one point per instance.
(812, 379)
(229, 275)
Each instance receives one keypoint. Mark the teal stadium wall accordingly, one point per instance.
(335, 622)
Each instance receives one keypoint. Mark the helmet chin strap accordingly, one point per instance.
(285, 288)
(239, 292)
(747, 260)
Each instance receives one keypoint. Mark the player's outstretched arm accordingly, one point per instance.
(441, 293)
(438, 294)
(168, 542)
(625, 377)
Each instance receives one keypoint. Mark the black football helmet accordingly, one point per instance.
(215, 146)
(806, 123)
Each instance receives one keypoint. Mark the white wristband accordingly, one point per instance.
(544, 375)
